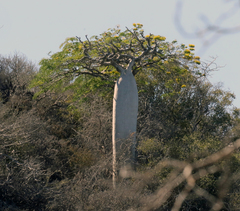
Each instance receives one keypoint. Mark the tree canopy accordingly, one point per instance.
(102, 56)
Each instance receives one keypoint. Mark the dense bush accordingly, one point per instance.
(56, 152)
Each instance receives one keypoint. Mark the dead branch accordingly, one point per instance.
(212, 31)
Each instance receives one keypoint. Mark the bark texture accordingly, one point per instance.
(125, 109)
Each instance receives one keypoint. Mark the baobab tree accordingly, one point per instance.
(114, 56)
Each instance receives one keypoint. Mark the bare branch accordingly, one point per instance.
(211, 32)
(201, 168)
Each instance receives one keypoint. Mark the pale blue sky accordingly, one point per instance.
(35, 27)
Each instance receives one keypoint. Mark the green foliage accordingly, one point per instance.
(181, 115)
(90, 65)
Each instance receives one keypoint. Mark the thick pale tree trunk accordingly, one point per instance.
(125, 109)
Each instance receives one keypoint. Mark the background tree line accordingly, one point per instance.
(56, 148)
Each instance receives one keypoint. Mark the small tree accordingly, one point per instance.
(111, 55)
(15, 73)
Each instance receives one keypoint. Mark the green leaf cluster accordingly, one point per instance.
(79, 60)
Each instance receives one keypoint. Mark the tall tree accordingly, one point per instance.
(113, 55)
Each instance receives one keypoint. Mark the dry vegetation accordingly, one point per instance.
(56, 154)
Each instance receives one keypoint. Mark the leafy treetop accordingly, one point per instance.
(105, 55)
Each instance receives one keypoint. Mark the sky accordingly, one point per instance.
(36, 27)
